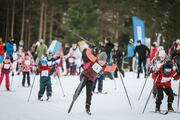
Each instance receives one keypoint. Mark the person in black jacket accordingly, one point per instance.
(108, 49)
(118, 59)
(143, 53)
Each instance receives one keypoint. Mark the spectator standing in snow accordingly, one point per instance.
(143, 53)
(10, 48)
(41, 50)
(2, 50)
(130, 53)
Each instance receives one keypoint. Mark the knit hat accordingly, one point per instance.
(139, 41)
(168, 66)
(44, 61)
(102, 56)
(26, 54)
(131, 40)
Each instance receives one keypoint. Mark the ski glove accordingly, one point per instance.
(12, 73)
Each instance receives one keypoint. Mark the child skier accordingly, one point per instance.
(162, 81)
(95, 67)
(26, 67)
(5, 69)
(45, 80)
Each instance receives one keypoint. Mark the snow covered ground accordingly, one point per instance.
(111, 106)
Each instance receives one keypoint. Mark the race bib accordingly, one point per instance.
(49, 63)
(165, 79)
(96, 67)
(27, 62)
(71, 60)
(6, 66)
(45, 73)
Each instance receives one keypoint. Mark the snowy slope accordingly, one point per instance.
(111, 106)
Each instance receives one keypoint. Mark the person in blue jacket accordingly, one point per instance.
(130, 52)
(10, 48)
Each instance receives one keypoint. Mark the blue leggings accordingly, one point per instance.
(1, 59)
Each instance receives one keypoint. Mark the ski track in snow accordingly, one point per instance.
(111, 106)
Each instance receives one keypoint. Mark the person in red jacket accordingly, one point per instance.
(162, 82)
(2, 50)
(5, 69)
(96, 66)
(45, 80)
(26, 67)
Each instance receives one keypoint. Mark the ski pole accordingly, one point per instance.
(19, 81)
(76, 94)
(31, 88)
(125, 89)
(115, 85)
(61, 86)
(143, 87)
(149, 95)
(178, 89)
(12, 81)
(178, 97)
(147, 100)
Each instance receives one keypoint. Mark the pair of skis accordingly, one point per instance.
(165, 112)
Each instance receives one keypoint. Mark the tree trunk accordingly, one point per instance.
(12, 22)
(29, 36)
(45, 21)
(51, 26)
(117, 24)
(41, 20)
(22, 27)
(7, 24)
(26, 34)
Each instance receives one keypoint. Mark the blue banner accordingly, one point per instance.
(139, 29)
(55, 47)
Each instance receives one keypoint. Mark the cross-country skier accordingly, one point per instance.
(5, 69)
(26, 67)
(45, 80)
(162, 81)
(96, 66)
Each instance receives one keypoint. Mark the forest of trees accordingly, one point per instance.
(93, 20)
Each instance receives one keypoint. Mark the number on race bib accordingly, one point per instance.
(27, 62)
(49, 63)
(45, 73)
(6, 66)
(71, 60)
(163, 80)
(96, 67)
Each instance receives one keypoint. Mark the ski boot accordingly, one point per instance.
(48, 97)
(88, 110)
(40, 98)
(170, 108)
(157, 110)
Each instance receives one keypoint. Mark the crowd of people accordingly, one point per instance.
(93, 63)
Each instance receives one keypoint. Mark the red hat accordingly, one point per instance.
(7, 57)
(26, 54)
